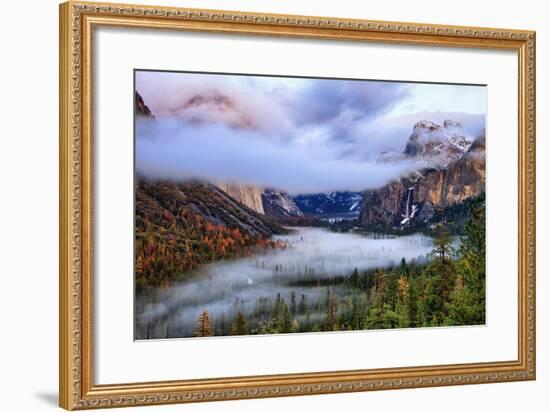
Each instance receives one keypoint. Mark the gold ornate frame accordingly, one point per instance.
(76, 385)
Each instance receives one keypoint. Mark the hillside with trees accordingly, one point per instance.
(181, 226)
(449, 290)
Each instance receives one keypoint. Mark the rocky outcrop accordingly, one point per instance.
(250, 196)
(162, 203)
(382, 207)
(461, 180)
(438, 145)
(141, 108)
(418, 196)
(268, 202)
(278, 203)
(213, 107)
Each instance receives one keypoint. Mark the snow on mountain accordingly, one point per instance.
(438, 145)
(420, 197)
(279, 203)
(354, 206)
(331, 203)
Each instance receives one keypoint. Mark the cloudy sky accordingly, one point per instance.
(300, 135)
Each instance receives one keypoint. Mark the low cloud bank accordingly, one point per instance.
(169, 149)
(300, 135)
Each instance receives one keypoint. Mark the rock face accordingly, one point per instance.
(213, 107)
(160, 202)
(438, 145)
(461, 180)
(382, 207)
(249, 196)
(278, 203)
(417, 197)
(141, 108)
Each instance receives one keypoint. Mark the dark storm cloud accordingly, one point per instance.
(327, 100)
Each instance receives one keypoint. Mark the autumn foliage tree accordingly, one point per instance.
(204, 326)
(173, 238)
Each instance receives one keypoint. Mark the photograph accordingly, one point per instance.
(284, 201)
(279, 204)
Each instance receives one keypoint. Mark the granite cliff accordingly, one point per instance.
(141, 108)
(250, 196)
(278, 203)
(455, 172)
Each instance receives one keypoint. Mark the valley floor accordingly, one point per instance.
(317, 280)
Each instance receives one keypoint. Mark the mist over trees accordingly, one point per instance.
(447, 290)
(204, 326)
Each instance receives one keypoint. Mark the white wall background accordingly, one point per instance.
(28, 206)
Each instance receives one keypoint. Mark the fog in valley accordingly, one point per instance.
(311, 256)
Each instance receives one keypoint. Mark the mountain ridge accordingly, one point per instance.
(453, 171)
(438, 145)
(420, 194)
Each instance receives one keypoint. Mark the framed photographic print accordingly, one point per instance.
(258, 205)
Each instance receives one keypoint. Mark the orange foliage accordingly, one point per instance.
(164, 257)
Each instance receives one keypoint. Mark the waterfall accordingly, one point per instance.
(409, 212)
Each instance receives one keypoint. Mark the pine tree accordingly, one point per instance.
(354, 279)
(356, 315)
(416, 315)
(391, 291)
(331, 321)
(276, 313)
(374, 318)
(264, 327)
(442, 242)
(221, 325)
(462, 309)
(402, 304)
(204, 326)
(467, 306)
(286, 319)
(390, 318)
(240, 326)
(293, 306)
(302, 307)
(441, 283)
(472, 252)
